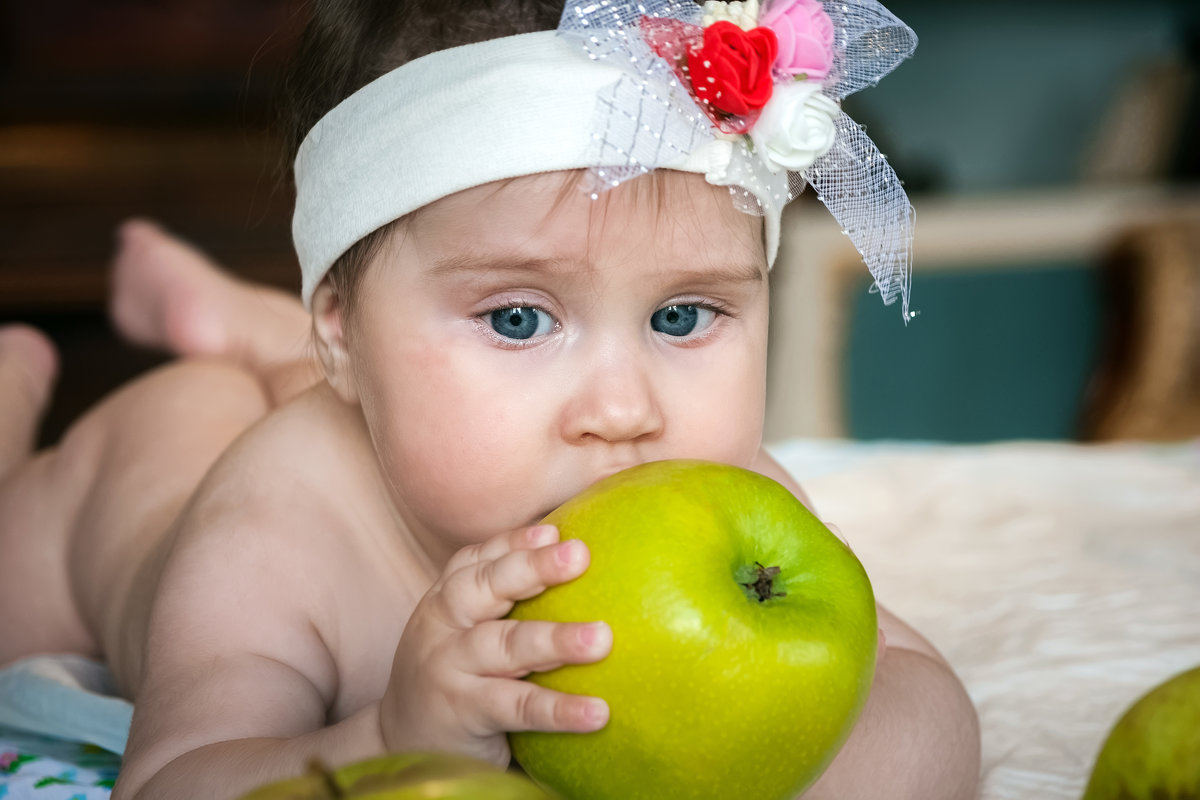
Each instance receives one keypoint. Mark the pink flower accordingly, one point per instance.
(805, 34)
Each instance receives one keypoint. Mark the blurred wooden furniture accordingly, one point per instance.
(818, 268)
(64, 188)
(1148, 384)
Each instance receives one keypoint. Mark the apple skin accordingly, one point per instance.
(1153, 751)
(712, 694)
(406, 776)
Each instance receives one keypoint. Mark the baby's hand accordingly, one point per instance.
(454, 683)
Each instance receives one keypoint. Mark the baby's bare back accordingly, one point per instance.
(183, 498)
(278, 606)
(78, 522)
(239, 568)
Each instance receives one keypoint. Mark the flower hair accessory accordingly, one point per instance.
(750, 95)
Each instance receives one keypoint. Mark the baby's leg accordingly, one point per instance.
(168, 295)
(80, 524)
(28, 367)
(33, 596)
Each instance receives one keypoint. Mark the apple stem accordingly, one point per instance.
(762, 588)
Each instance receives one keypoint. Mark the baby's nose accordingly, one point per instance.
(615, 403)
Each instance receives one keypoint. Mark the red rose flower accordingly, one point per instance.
(731, 71)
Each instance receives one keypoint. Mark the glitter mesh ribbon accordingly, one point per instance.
(648, 119)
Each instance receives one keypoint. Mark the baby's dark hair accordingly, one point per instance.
(349, 43)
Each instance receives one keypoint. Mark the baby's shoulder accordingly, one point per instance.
(302, 466)
(293, 492)
(271, 550)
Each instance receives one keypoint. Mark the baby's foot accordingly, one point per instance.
(164, 293)
(168, 295)
(28, 369)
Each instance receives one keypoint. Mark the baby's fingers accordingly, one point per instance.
(499, 545)
(525, 706)
(488, 589)
(512, 649)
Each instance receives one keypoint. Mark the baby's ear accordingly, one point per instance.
(328, 320)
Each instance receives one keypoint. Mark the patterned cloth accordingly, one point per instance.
(41, 768)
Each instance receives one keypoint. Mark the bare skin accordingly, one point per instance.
(169, 296)
(29, 367)
(261, 615)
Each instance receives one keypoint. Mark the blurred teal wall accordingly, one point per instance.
(1003, 95)
(994, 354)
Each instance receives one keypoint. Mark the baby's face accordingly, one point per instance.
(516, 342)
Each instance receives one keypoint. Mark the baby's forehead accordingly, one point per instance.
(555, 214)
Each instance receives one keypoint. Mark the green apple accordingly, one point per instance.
(1153, 752)
(744, 638)
(406, 776)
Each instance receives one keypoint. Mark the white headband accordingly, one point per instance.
(593, 95)
(443, 123)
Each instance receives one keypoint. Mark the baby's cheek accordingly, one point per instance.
(462, 469)
(724, 418)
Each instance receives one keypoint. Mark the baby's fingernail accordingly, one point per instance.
(569, 552)
(595, 637)
(596, 713)
(542, 534)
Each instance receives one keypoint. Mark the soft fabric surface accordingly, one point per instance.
(67, 697)
(1061, 582)
(39, 768)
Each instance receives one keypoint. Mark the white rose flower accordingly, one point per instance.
(743, 13)
(796, 126)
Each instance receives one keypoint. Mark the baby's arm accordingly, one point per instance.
(237, 678)
(918, 736)
(241, 672)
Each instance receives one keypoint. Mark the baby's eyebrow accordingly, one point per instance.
(719, 274)
(467, 264)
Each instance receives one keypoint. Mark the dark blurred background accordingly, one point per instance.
(162, 109)
(123, 108)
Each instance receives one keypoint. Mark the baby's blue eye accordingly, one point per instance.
(521, 322)
(680, 320)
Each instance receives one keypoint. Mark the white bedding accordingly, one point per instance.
(1061, 581)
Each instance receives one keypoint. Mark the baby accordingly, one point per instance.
(282, 561)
